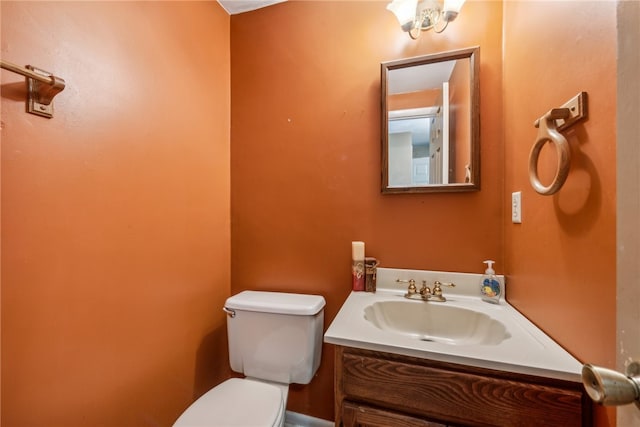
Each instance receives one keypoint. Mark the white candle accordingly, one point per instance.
(357, 251)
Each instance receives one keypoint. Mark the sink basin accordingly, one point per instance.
(436, 322)
(463, 330)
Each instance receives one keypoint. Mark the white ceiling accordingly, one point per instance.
(426, 76)
(238, 6)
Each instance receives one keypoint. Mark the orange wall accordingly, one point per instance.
(418, 99)
(115, 213)
(561, 260)
(305, 157)
(459, 110)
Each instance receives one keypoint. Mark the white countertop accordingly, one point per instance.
(528, 350)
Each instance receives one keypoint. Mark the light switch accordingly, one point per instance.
(516, 207)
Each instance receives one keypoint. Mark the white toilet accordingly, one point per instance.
(275, 339)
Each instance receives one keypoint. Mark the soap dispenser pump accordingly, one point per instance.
(490, 287)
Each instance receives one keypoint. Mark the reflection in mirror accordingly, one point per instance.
(430, 131)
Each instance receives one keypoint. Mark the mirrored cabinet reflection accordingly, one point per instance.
(430, 123)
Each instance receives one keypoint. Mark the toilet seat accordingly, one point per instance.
(236, 402)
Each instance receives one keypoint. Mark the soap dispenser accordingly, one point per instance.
(490, 287)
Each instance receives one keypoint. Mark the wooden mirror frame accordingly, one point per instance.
(473, 55)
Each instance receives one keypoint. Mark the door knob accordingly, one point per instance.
(610, 387)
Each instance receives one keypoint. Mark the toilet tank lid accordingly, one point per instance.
(276, 302)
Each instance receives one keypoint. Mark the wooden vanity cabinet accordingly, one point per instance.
(382, 389)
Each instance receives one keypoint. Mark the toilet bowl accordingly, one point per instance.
(275, 339)
(237, 402)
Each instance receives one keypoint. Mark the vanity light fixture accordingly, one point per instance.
(417, 16)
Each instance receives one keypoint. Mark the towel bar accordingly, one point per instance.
(43, 87)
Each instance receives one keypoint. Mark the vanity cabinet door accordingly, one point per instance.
(451, 394)
(354, 415)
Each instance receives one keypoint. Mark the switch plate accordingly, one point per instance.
(516, 207)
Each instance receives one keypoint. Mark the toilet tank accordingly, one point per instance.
(275, 336)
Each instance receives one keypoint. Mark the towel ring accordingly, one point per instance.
(548, 132)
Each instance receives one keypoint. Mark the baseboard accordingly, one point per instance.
(294, 419)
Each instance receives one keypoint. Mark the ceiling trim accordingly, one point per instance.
(234, 7)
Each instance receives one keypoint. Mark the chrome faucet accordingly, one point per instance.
(425, 293)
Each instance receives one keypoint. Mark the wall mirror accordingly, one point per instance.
(431, 123)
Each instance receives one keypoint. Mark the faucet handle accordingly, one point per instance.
(438, 285)
(437, 289)
(411, 290)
